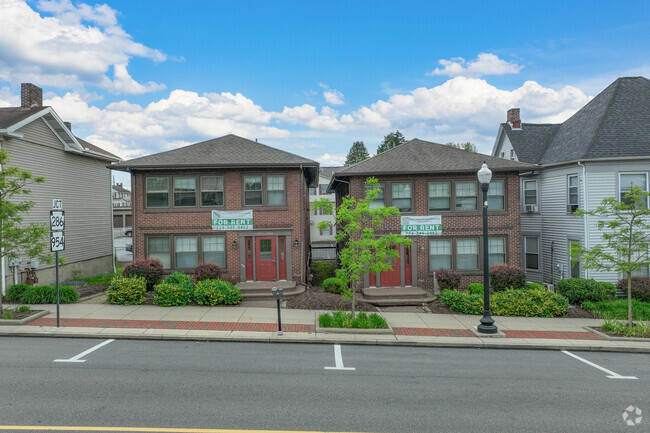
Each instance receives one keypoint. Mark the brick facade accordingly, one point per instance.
(501, 223)
(278, 220)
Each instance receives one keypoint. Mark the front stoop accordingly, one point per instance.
(261, 290)
(390, 296)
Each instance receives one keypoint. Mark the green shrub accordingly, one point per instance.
(333, 285)
(528, 303)
(640, 329)
(322, 271)
(207, 271)
(579, 290)
(22, 309)
(150, 269)
(216, 292)
(640, 287)
(617, 309)
(127, 290)
(507, 277)
(102, 278)
(362, 320)
(475, 289)
(534, 286)
(462, 302)
(15, 292)
(447, 279)
(47, 295)
(180, 279)
(169, 294)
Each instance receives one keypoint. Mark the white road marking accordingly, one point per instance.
(338, 360)
(611, 374)
(82, 354)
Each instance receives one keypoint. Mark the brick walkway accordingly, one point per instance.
(271, 327)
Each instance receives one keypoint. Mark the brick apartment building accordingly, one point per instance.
(423, 178)
(196, 204)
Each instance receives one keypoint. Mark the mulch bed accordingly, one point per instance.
(581, 313)
(92, 289)
(20, 316)
(436, 307)
(317, 299)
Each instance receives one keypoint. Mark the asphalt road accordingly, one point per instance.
(287, 387)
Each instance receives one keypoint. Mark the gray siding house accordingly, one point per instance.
(601, 151)
(36, 139)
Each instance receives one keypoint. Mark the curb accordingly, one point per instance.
(14, 322)
(613, 337)
(358, 331)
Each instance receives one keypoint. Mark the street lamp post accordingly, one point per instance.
(487, 325)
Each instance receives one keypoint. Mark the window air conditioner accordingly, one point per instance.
(531, 208)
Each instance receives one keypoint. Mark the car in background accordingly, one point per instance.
(129, 247)
(128, 232)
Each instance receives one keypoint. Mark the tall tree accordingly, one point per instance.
(358, 153)
(468, 146)
(363, 252)
(391, 140)
(625, 228)
(15, 237)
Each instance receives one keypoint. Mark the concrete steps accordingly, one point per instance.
(261, 290)
(392, 296)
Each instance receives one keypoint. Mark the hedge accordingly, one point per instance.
(507, 277)
(47, 295)
(150, 269)
(579, 290)
(127, 291)
(510, 302)
(207, 271)
(447, 279)
(640, 288)
(322, 271)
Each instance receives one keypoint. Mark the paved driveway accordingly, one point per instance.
(119, 245)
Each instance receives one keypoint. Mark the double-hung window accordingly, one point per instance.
(253, 190)
(157, 192)
(572, 193)
(628, 180)
(267, 190)
(530, 195)
(466, 254)
(158, 248)
(275, 193)
(439, 254)
(214, 250)
(465, 196)
(379, 201)
(186, 249)
(496, 195)
(402, 197)
(531, 251)
(439, 196)
(496, 251)
(211, 191)
(184, 191)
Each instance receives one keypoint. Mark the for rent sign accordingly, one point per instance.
(232, 220)
(430, 225)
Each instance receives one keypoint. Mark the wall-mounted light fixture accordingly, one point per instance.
(296, 243)
(234, 244)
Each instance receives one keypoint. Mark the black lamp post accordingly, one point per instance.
(487, 325)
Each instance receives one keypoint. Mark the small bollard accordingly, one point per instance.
(277, 294)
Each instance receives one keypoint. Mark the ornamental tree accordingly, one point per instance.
(15, 237)
(625, 229)
(391, 140)
(358, 153)
(363, 251)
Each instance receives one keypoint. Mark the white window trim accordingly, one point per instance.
(568, 194)
(539, 253)
(618, 187)
(523, 193)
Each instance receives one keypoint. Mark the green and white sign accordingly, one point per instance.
(232, 220)
(430, 225)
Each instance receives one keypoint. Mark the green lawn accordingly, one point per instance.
(617, 309)
(98, 279)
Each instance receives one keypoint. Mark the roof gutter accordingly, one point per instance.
(11, 134)
(586, 217)
(3, 272)
(581, 161)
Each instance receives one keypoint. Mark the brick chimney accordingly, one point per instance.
(513, 118)
(30, 95)
(68, 125)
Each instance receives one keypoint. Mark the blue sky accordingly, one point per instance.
(140, 77)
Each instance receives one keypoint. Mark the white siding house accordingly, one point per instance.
(323, 243)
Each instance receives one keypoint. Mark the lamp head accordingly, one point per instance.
(484, 174)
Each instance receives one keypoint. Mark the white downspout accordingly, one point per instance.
(3, 273)
(586, 207)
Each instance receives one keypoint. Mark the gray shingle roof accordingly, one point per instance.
(418, 156)
(329, 171)
(9, 116)
(616, 123)
(94, 148)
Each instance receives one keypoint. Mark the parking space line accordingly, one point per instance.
(611, 374)
(338, 359)
(82, 354)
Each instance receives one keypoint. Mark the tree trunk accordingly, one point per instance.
(629, 299)
(354, 299)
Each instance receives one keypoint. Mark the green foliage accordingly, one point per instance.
(625, 229)
(468, 146)
(475, 288)
(639, 329)
(15, 292)
(640, 287)
(169, 294)
(217, 292)
(447, 279)
(16, 237)
(617, 309)
(47, 295)
(22, 309)
(149, 269)
(127, 290)
(207, 271)
(358, 153)
(180, 279)
(340, 319)
(363, 252)
(7, 315)
(579, 290)
(322, 271)
(391, 140)
(510, 302)
(534, 286)
(333, 285)
(102, 278)
(462, 302)
(505, 276)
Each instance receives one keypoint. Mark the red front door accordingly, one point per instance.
(265, 258)
(392, 277)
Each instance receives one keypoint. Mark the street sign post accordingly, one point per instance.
(57, 243)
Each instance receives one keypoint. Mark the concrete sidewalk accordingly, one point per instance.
(237, 323)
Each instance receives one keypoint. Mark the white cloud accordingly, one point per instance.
(78, 45)
(485, 64)
(334, 97)
(332, 159)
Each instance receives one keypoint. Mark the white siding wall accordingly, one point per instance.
(505, 147)
(531, 225)
(315, 219)
(82, 182)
